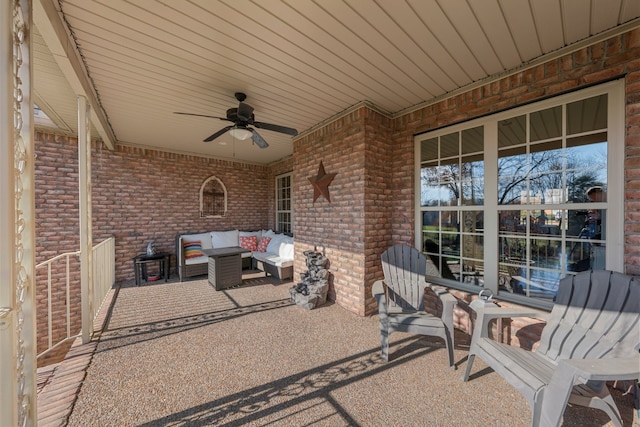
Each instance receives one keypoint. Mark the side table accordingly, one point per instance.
(486, 311)
(140, 265)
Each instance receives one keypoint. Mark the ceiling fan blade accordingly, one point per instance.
(260, 142)
(217, 134)
(276, 128)
(201, 115)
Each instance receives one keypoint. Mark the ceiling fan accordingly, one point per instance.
(243, 117)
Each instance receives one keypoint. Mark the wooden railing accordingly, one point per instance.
(103, 280)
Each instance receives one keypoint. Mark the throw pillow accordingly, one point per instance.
(257, 233)
(192, 249)
(249, 242)
(205, 239)
(264, 242)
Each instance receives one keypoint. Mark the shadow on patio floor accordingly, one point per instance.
(182, 353)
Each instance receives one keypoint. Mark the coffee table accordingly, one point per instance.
(225, 267)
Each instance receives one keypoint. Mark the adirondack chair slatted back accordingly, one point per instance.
(595, 315)
(404, 270)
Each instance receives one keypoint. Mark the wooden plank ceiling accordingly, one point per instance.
(300, 62)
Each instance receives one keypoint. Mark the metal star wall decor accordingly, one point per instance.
(321, 183)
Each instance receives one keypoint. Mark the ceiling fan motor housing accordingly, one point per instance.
(245, 112)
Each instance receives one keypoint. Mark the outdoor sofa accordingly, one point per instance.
(269, 251)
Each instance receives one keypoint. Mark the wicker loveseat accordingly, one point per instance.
(274, 256)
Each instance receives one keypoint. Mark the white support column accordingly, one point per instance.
(8, 401)
(86, 243)
(17, 218)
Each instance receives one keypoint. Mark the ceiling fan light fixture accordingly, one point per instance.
(240, 133)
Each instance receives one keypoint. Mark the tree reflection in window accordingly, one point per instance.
(213, 198)
(543, 162)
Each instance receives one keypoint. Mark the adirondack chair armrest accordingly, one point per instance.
(486, 314)
(448, 302)
(572, 372)
(603, 369)
(377, 290)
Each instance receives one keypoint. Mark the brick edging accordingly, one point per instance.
(57, 397)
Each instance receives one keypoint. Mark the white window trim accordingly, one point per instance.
(615, 178)
(276, 198)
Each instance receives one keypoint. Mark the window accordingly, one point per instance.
(213, 198)
(40, 118)
(503, 200)
(284, 211)
(451, 187)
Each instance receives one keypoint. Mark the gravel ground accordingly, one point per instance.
(185, 354)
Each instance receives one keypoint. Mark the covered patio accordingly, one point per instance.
(185, 354)
(411, 107)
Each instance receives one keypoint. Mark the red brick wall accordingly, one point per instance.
(142, 195)
(139, 195)
(616, 57)
(351, 229)
(335, 228)
(378, 203)
(275, 169)
(630, 47)
(344, 146)
(56, 191)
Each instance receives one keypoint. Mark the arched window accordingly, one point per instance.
(213, 198)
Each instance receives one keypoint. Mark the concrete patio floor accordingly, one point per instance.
(184, 354)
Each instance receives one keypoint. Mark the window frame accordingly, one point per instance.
(277, 198)
(615, 179)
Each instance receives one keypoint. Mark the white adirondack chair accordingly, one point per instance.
(400, 299)
(591, 336)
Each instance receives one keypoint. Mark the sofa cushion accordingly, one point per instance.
(268, 233)
(286, 239)
(273, 259)
(198, 260)
(274, 244)
(264, 243)
(281, 245)
(286, 250)
(225, 239)
(249, 242)
(192, 249)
